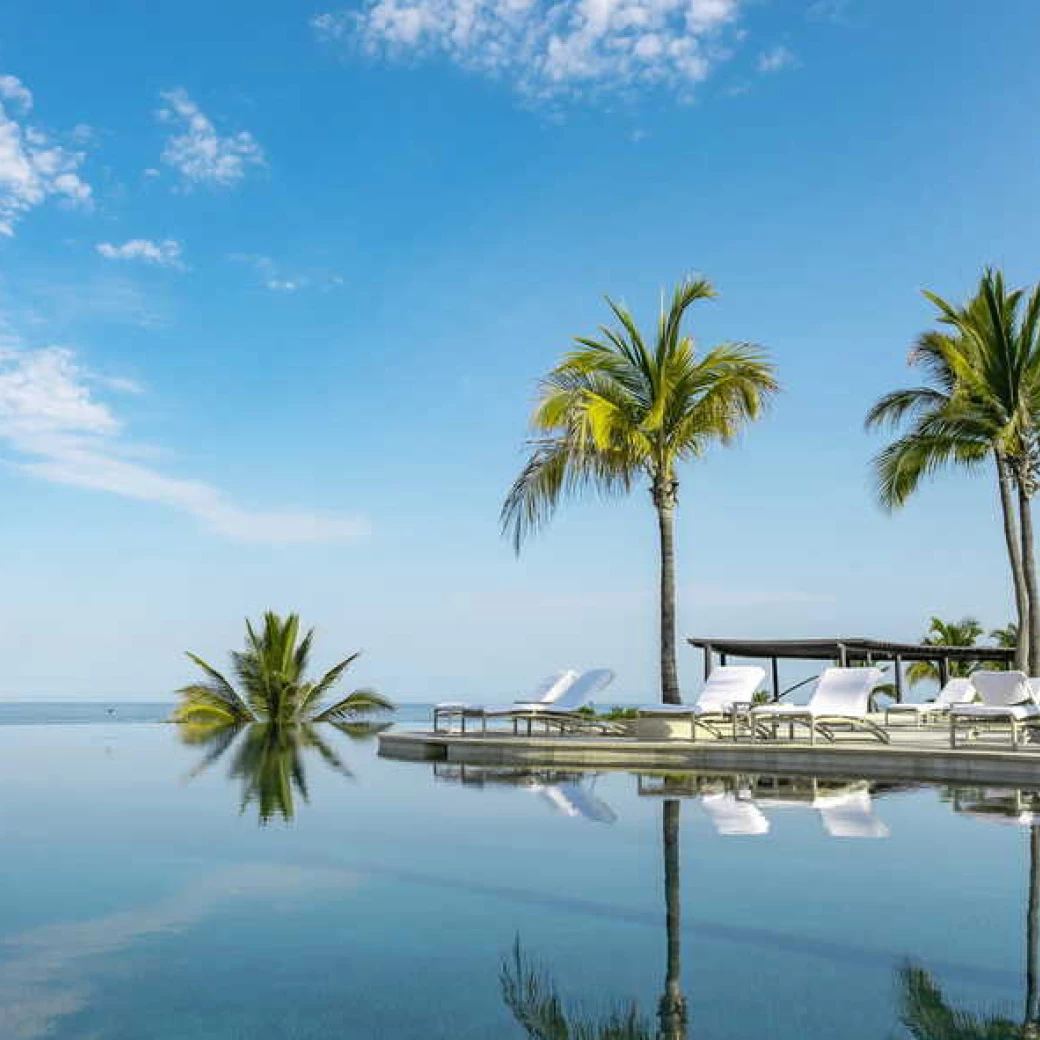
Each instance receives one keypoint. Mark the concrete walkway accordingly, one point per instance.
(913, 754)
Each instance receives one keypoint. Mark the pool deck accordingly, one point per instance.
(913, 754)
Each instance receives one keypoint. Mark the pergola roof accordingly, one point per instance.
(832, 649)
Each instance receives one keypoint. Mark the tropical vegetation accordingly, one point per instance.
(623, 408)
(980, 403)
(964, 633)
(272, 683)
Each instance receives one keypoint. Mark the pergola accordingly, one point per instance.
(845, 652)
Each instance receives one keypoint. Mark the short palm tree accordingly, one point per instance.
(272, 683)
(1006, 637)
(982, 401)
(618, 410)
(964, 633)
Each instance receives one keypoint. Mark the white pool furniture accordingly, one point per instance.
(575, 800)
(841, 700)
(1008, 699)
(725, 687)
(561, 712)
(956, 691)
(550, 689)
(732, 814)
(850, 814)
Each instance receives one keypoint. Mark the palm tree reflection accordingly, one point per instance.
(925, 1012)
(533, 998)
(267, 759)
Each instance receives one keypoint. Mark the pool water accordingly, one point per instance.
(273, 886)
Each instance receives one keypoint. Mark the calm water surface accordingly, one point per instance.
(265, 886)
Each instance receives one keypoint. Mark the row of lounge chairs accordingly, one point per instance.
(726, 706)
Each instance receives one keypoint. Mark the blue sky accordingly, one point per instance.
(276, 283)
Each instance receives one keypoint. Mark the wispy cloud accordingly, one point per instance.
(274, 277)
(829, 10)
(776, 59)
(163, 254)
(197, 151)
(57, 428)
(549, 48)
(33, 168)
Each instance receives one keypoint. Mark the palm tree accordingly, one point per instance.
(273, 687)
(965, 632)
(1006, 637)
(982, 402)
(617, 410)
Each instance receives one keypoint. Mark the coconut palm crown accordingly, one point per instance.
(272, 683)
(981, 400)
(964, 633)
(621, 409)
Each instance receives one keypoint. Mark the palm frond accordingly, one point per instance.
(360, 702)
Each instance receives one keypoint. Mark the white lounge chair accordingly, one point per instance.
(726, 686)
(574, 800)
(549, 690)
(733, 815)
(841, 700)
(956, 691)
(562, 712)
(1008, 698)
(850, 814)
(846, 809)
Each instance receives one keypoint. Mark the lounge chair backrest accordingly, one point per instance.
(956, 691)
(553, 687)
(584, 688)
(1001, 689)
(729, 683)
(844, 691)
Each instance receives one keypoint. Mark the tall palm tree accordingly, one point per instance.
(618, 410)
(273, 684)
(982, 402)
(965, 633)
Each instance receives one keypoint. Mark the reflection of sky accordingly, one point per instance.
(45, 974)
(125, 903)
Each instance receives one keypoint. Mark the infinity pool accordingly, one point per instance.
(267, 886)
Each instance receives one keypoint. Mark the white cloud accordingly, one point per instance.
(270, 275)
(776, 59)
(197, 151)
(549, 48)
(164, 254)
(33, 168)
(53, 423)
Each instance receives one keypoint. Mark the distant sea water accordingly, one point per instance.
(63, 713)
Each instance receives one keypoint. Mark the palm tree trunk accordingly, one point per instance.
(664, 494)
(671, 1010)
(1032, 1013)
(1011, 537)
(1025, 517)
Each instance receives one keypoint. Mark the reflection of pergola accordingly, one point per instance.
(846, 652)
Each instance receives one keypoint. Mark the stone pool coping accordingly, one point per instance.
(915, 755)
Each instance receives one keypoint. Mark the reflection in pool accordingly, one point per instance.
(426, 900)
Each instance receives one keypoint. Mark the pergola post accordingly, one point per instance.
(722, 660)
(897, 662)
(707, 661)
(944, 671)
(843, 656)
(776, 680)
